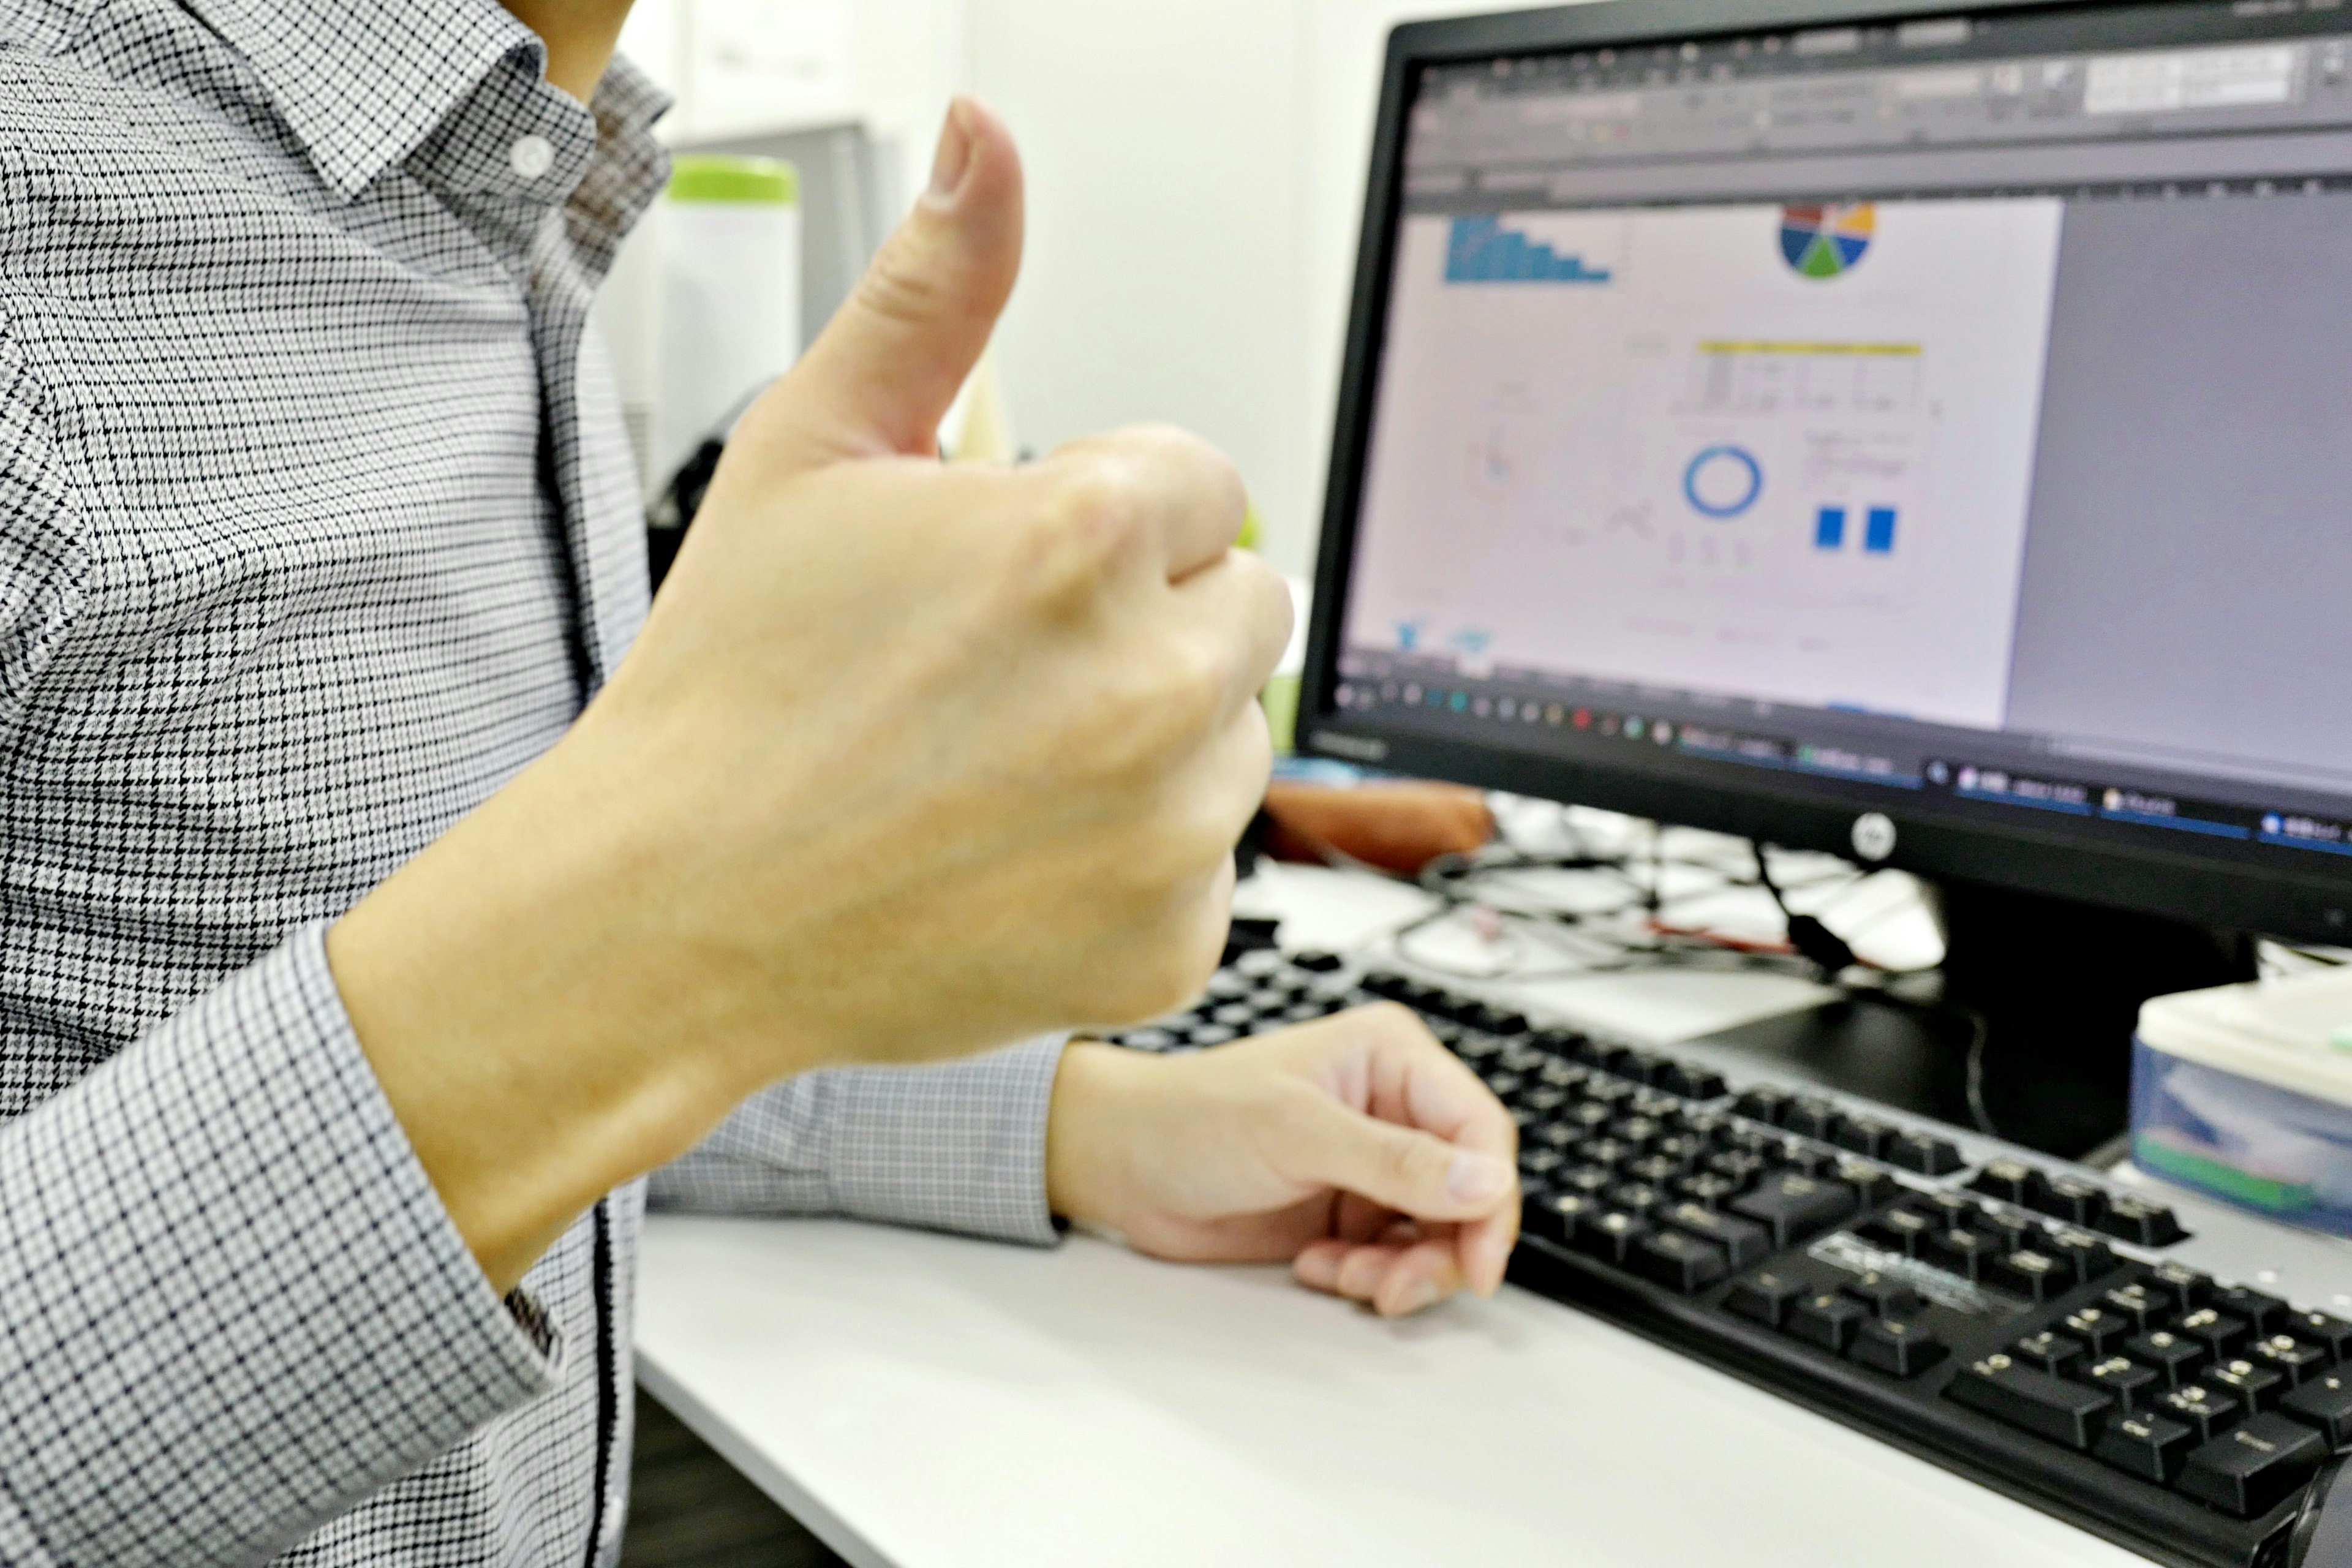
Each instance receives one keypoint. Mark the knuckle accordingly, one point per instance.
(1090, 517)
(899, 287)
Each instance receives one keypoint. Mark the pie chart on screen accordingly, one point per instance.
(1825, 239)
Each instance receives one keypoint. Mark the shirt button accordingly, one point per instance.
(531, 156)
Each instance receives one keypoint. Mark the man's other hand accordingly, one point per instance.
(1356, 1149)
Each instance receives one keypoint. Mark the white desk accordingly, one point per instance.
(925, 1402)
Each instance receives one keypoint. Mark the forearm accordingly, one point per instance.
(235, 1308)
(537, 1045)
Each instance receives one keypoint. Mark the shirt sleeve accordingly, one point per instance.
(958, 1147)
(235, 1306)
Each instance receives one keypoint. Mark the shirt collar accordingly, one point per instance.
(362, 82)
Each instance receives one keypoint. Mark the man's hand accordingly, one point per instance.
(910, 761)
(1356, 1149)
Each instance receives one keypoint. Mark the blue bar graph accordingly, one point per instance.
(1828, 529)
(1483, 251)
(1878, 531)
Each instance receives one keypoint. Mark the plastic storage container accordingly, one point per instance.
(730, 308)
(2245, 1093)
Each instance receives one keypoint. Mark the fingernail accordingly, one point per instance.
(954, 161)
(1478, 1179)
(1416, 1298)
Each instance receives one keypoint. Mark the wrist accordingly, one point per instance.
(1092, 1139)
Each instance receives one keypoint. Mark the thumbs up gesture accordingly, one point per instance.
(910, 761)
(949, 755)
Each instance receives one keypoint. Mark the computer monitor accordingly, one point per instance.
(1924, 435)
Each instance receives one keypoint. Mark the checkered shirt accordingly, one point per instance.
(317, 523)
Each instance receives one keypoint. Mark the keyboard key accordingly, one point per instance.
(1862, 1134)
(1541, 1163)
(1564, 1136)
(1794, 1154)
(1590, 1180)
(1679, 1261)
(1564, 1074)
(1958, 1210)
(1636, 1131)
(1793, 1207)
(1655, 1171)
(1317, 963)
(2188, 1287)
(1967, 1253)
(2333, 1335)
(2325, 1401)
(1637, 1198)
(1544, 1100)
(1765, 1105)
(2070, 1198)
(1606, 1151)
(1610, 1235)
(1924, 1154)
(2204, 1411)
(2090, 1257)
(1711, 1128)
(2008, 1180)
(1900, 1229)
(2101, 1331)
(2140, 1222)
(2146, 1307)
(2148, 1446)
(2252, 1470)
(2132, 1385)
(2169, 1355)
(2036, 1276)
(2218, 1332)
(1884, 1296)
(1810, 1118)
(1693, 1082)
(2289, 1357)
(2262, 1314)
(1766, 1295)
(1829, 1319)
(1556, 1215)
(2032, 1401)
(2051, 1353)
(1872, 1183)
(1897, 1347)
(2255, 1387)
(2015, 1232)
(1682, 1148)
(1736, 1165)
(1742, 1242)
(1709, 1190)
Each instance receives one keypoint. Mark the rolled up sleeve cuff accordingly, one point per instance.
(236, 1305)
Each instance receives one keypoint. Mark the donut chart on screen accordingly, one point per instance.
(1825, 239)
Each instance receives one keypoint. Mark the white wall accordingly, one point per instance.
(1196, 184)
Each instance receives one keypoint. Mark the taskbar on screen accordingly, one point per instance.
(1504, 713)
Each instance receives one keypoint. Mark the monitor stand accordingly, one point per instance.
(2058, 985)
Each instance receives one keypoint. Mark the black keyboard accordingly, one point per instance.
(2062, 1338)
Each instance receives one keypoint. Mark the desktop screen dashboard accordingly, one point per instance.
(1956, 408)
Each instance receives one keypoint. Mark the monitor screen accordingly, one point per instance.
(1955, 414)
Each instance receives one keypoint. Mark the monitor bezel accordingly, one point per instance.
(2024, 857)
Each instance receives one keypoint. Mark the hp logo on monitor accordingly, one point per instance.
(1873, 836)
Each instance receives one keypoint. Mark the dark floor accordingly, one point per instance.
(690, 1508)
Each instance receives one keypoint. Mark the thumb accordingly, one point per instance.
(879, 379)
(1401, 1168)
